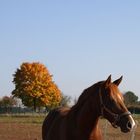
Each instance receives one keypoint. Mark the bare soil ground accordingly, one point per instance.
(20, 131)
(21, 128)
(29, 128)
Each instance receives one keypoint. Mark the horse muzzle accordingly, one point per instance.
(127, 126)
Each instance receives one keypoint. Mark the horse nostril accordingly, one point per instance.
(129, 125)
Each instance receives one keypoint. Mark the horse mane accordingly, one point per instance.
(86, 95)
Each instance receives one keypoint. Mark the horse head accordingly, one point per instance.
(112, 105)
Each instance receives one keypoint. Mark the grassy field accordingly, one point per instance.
(29, 128)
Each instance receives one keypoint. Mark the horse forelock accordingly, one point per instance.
(116, 94)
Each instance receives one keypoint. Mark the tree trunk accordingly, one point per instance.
(34, 101)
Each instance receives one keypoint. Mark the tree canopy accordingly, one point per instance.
(34, 86)
(7, 101)
(130, 98)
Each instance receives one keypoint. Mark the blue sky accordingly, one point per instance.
(80, 41)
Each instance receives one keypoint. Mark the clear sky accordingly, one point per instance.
(80, 41)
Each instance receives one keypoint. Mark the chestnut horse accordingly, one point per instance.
(81, 121)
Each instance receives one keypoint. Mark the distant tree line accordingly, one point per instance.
(10, 104)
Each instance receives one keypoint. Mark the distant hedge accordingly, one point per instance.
(134, 109)
(11, 110)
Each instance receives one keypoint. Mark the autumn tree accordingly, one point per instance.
(34, 86)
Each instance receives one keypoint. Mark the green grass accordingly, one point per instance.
(22, 119)
(34, 118)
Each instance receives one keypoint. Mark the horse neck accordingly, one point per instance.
(87, 116)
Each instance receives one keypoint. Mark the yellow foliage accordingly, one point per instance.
(34, 80)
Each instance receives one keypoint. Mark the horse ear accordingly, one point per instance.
(108, 81)
(118, 81)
